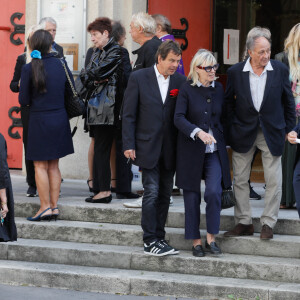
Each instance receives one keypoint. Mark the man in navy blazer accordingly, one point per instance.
(261, 111)
(149, 139)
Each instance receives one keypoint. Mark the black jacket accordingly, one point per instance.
(105, 66)
(146, 54)
(276, 116)
(14, 84)
(147, 122)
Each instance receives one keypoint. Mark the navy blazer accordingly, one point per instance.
(200, 107)
(147, 122)
(276, 115)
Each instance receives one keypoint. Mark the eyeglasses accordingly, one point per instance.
(209, 68)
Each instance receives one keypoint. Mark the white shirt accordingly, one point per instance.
(257, 83)
(209, 148)
(163, 84)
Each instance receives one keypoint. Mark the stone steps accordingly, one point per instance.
(131, 235)
(133, 258)
(142, 282)
(118, 214)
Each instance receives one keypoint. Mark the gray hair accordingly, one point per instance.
(254, 34)
(202, 56)
(145, 21)
(45, 20)
(30, 31)
(164, 22)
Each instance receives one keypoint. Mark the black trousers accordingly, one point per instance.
(104, 136)
(30, 175)
(123, 169)
(158, 185)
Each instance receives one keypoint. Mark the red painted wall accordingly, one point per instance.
(199, 15)
(8, 56)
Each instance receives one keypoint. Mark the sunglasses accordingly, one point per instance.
(209, 68)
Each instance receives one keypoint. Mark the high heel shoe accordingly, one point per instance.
(54, 216)
(90, 189)
(40, 217)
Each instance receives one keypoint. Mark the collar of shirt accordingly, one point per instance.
(200, 84)
(158, 75)
(248, 67)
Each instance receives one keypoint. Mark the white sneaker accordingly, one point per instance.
(134, 204)
(171, 200)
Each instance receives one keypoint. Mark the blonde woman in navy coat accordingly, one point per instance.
(201, 150)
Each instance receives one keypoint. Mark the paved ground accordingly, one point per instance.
(34, 293)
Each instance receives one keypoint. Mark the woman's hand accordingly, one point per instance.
(206, 138)
(3, 203)
(292, 137)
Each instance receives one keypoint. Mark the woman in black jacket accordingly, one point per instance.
(101, 77)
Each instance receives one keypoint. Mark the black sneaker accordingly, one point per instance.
(164, 242)
(253, 194)
(157, 249)
(31, 192)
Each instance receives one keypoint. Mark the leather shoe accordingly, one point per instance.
(198, 251)
(127, 195)
(213, 248)
(100, 200)
(239, 230)
(266, 232)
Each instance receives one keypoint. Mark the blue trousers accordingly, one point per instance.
(296, 184)
(212, 174)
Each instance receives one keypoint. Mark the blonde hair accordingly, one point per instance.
(202, 56)
(31, 30)
(292, 47)
(145, 21)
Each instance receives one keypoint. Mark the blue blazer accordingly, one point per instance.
(147, 122)
(276, 115)
(203, 108)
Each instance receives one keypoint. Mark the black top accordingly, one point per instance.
(14, 84)
(146, 54)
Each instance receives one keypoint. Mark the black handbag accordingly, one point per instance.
(227, 199)
(74, 105)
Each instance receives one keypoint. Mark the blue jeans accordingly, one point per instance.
(158, 185)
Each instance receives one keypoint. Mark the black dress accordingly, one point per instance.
(8, 232)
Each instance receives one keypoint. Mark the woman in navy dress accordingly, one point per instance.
(201, 149)
(43, 87)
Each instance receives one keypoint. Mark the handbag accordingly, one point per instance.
(227, 199)
(74, 105)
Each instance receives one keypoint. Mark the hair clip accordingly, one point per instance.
(36, 54)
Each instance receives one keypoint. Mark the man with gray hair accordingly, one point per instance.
(142, 30)
(49, 24)
(260, 112)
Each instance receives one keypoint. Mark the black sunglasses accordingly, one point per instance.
(209, 68)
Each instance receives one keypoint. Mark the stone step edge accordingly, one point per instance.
(134, 282)
(69, 253)
(102, 213)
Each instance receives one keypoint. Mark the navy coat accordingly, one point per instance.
(49, 133)
(147, 122)
(276, 115)
(203, 108)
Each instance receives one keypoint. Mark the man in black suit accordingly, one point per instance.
(49, 24)
(261, 111)
(149, 139)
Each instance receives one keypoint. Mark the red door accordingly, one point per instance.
(12, 13)
(198, 13)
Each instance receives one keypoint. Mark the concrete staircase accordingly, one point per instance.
(98, 247)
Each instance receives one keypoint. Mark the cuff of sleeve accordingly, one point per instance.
(194, 132)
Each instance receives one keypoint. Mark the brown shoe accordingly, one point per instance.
(240, 229)
(266, 232)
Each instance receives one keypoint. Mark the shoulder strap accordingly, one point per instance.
(69, 79)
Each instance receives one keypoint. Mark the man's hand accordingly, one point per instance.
(206, 138)
(130, 154)
(292, 137)
(3, 203)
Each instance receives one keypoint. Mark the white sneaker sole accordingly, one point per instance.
(162, 254)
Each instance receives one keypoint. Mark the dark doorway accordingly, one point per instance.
(277, 15)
